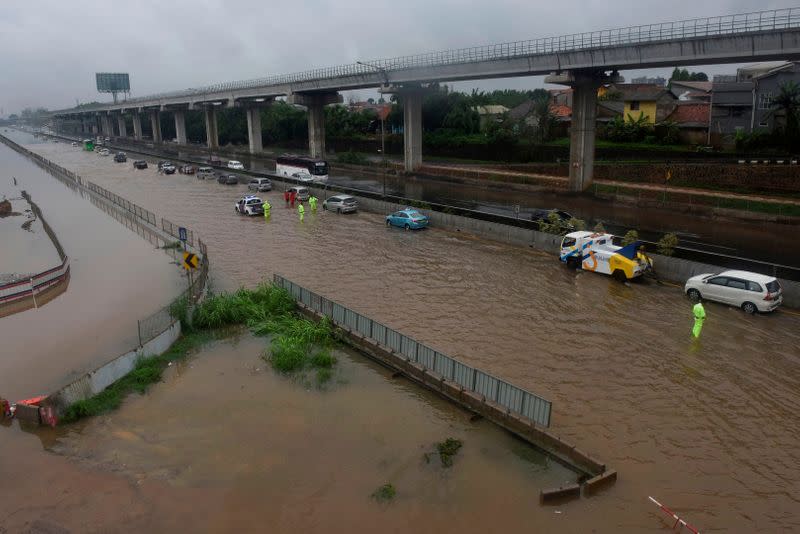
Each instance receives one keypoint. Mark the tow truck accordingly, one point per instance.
(596, 252)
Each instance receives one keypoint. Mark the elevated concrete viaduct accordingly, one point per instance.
(580, 60)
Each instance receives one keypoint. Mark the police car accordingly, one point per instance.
(249, 205)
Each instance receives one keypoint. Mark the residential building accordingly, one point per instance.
(691, 91)
(731, 110)
(692, 119)
(657, 80)
(490, 113)
(767, 86)
(652, 102)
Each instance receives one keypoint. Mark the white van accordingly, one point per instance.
(233, 164)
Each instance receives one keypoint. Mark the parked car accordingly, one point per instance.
(120, 157)
(341, 204)
(228, 179)
(540, 215)
(186, 169)
(73, 143)
(409, 219)
(205, 173)
(301, 192)
(140, 164)
(168, 168)
(260, 184)
(303, 178)
(249, 205)
(751, 292)
(237, 165)
(214, 161)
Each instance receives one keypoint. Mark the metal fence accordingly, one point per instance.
(494, 389)
(685, 29)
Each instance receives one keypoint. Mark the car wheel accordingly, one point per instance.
(407, 227)
(619, 275)
(749, 308)
(694, 295)
(339, 210)
(388, 223)
(573, 262)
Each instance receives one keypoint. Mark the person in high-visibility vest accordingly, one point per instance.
(312, 201)
(267, 207)
(699, 317)
(301, 211)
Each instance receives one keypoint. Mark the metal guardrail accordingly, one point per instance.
(526, 404)
(646, 33)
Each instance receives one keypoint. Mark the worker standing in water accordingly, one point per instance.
(267, 207)
(312, 201)
(699, 317)
(301, 211)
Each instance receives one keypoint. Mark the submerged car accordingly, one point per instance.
(249, 205)
(228, 179)
(409, 219)
(168, 168)
(186, 169)
(120, 157)
(140, 164)
(340, 204)
(751, 292)
(301, 192)
(237, 165)
(104, 152)
(205, 172)
(260, 184)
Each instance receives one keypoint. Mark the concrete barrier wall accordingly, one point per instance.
(96, 381)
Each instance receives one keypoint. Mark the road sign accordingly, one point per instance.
(182, 234)
(190, 261)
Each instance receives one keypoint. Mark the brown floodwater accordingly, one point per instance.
(708, 427)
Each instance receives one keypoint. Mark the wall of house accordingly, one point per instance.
(765, 116)
(647, 108)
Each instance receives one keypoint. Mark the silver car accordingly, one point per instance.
(206, 173)
(751, 292)
(301, 192)
(341, 204)
(260, 184)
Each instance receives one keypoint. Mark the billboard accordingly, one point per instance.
(113, 82)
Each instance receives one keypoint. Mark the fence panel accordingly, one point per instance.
(364, 326)
(393, 339)
(379, 333)
(444, 365)
(408, 347)
(426, 356)
(486, 385)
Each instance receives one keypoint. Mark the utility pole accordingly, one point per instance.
(383, 136)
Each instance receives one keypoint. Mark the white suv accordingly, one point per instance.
(233, 164)
(751, 292)
(260, 184)
(249, 205)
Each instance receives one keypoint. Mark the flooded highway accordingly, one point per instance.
(755, 240)
(707, 427)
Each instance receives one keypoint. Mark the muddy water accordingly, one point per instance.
(116, 278)
(709, 428)
(301, 456)
(24, 246)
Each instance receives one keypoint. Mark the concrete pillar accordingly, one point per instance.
(180, 127)
(582, 135)
(137, 126)
(254, 129)
(155, 123)
(123, 128)
(412, 130)
(212, 133)
(315, 102)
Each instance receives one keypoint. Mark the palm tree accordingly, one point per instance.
(787, 103)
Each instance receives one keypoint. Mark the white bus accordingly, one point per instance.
(302, 168)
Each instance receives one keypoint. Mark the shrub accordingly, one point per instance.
(385, 493)
(352, 158)
(599, 228)
(632, 236)
(666, 245)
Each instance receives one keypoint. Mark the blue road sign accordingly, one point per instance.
(182, 234)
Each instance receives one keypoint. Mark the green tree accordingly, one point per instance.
(786, 105)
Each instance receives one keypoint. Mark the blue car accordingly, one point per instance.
(409, 218)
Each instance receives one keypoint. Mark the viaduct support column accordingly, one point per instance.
(123, 127)
(180, 127)
(212, 133)
(137, 126)
(584, 121)
(254, 129)
(155, 123)
(412, 130)
(315, 102)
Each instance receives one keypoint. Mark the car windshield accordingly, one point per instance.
(349, 200)
(320, 168)
(568, 242)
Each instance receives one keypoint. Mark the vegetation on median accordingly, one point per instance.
(297, 344)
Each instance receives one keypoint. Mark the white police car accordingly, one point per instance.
(249, 205)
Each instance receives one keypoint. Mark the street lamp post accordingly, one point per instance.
(383, 136)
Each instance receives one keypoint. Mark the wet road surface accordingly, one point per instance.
(708, 427)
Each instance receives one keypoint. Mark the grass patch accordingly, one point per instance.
(385, 493)
(146, 372)
(447, 450)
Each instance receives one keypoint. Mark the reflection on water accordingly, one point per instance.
(718, 440)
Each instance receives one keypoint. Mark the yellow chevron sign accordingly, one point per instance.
(190, 261)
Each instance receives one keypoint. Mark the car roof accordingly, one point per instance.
(755, 277)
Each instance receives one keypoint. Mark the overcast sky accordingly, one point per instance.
(50, 50)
